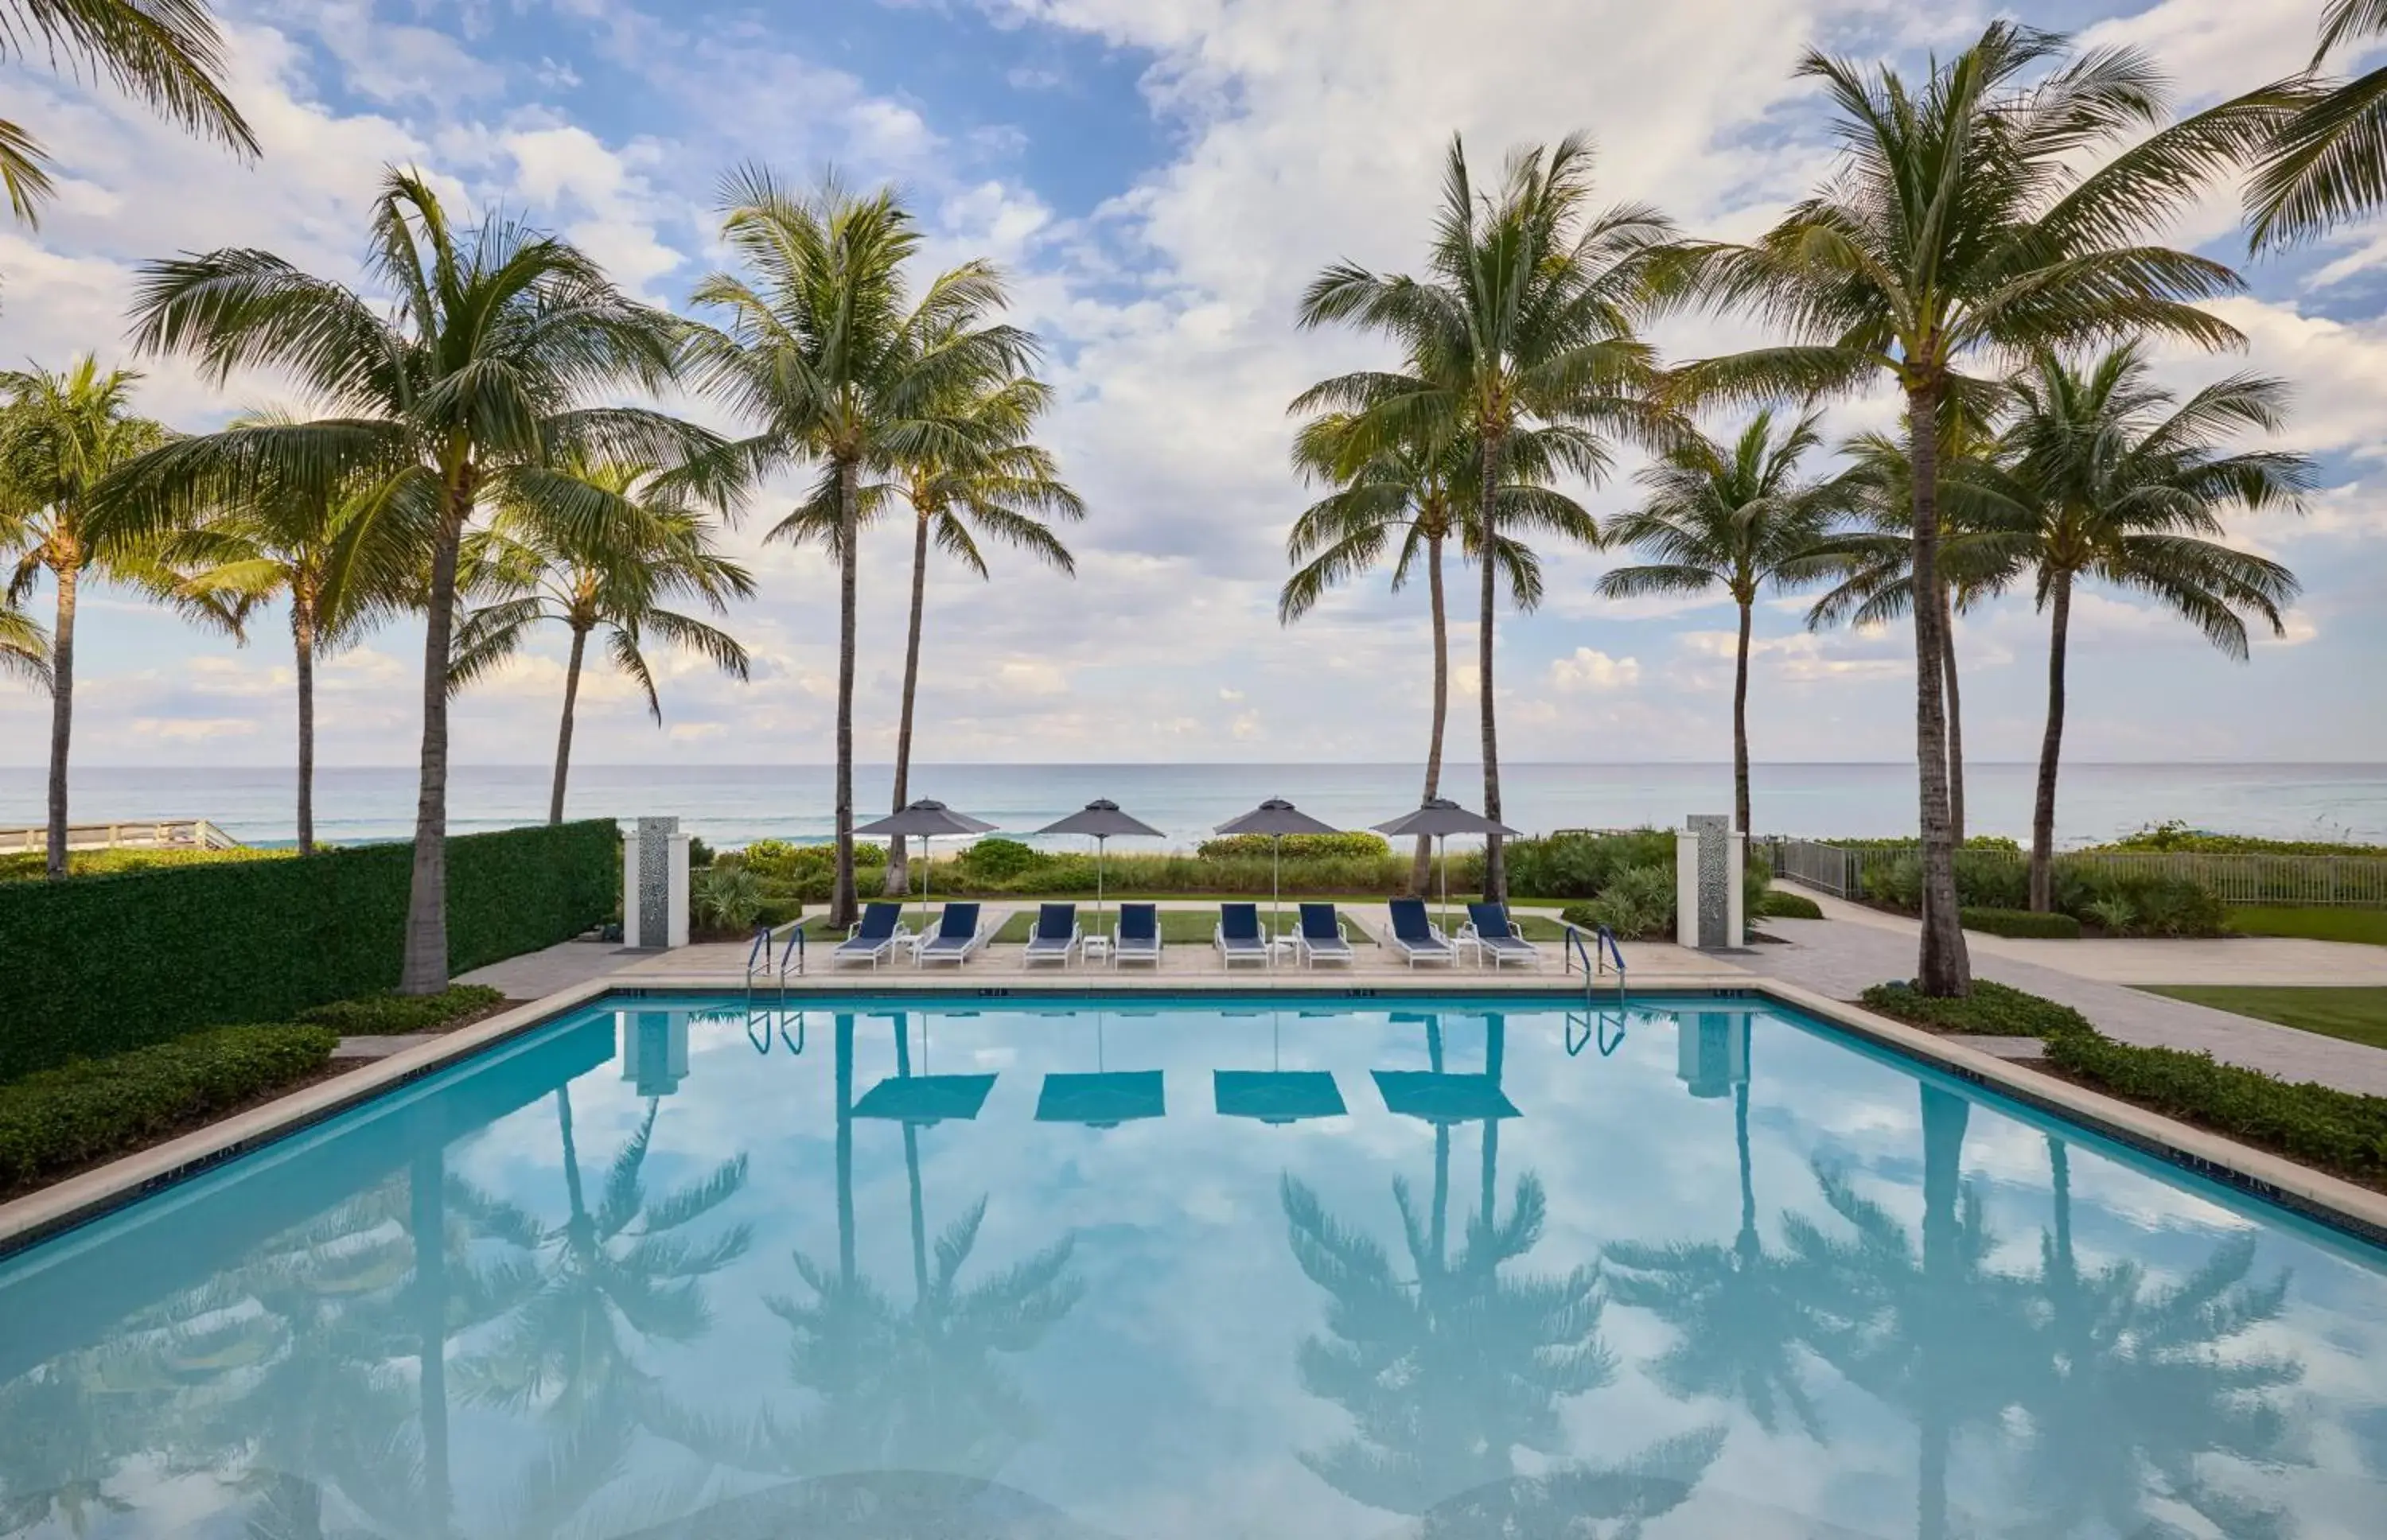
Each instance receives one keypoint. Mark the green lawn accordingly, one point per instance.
(2366, 925)
(2358, 1015)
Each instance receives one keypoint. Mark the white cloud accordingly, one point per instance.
(1588, 669)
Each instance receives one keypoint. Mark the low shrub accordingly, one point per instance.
(1000, 860)
(726, 898)
(386, 1014)
(1638, 904)
(87, 1109)
(2174, 836)
(1782, 904)
(1579, 866)
(1991, 1010)
(2315, 1123)
(26, 865)
(2021, 923)
(1359, 845)
(2148, 905)
(698, 853)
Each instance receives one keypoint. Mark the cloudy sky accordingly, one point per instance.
(1159, 178)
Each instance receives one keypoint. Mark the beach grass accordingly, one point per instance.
(2355, 1013)
(2365, 926)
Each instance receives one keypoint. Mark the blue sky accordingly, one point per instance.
(1159, 178)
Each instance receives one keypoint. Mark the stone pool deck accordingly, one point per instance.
(1837, 957)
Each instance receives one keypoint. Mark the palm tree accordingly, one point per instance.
(1872, 562)
(166, 53)
(998, 483)
(474, 380)
(827, 352)
(2324, 165)
(24, 646)
(1736, 516)
(600, 547)
(1522, 333)
(347, 557)
(1967, 225)
(60, 434)
(2126, 485)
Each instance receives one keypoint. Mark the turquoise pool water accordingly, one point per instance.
(1193, 1269)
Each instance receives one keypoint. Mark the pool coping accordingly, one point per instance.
(2316, 1195)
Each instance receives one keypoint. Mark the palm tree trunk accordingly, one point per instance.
(841, 898)
(1496, 1035)
(1943, 966)
(427, 1199)
(1747, 1176)
(899, 869)
(1740, 726)
(1955, 722)
(66, 570)
(1495, 869)
(844, 1079)
(1421, 869)
(912, 1173)
(1441, 1219)
(1944, 1116)
(2051, 748)
(302, 646)
(563, 730)
(425, 969)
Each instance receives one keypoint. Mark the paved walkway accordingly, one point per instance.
(1855, 948)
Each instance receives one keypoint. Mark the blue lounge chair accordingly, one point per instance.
(1495, 937)
(873, 938)
(958, 935)
(1238, 937)
(1417, 937)
(1138, 939)
(1056, 935)
(1320, 938)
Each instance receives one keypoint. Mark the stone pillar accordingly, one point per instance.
(1712, 1052)
(654, 885)
(1708, 856)
(654, 1050)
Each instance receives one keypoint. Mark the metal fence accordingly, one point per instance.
(2239, 881)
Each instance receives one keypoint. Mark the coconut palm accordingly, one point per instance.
(1736, 516)
(1521, 333)
(2133, 1384)
(1978, 216)
(602, 548)
(24, 646)
(2327, 164)
(834, 361)
(1001, 485)
(165, 53)
(1871, 564)
(2126, 485)
(1739, 1312)
(476, 378)
(60, 434)
(346, 557)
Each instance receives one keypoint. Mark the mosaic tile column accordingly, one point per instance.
(1712, 1052)
(1712, 882)
(652, 907)
(654, 1050)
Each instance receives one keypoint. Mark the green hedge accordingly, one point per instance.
(2021, 923)
(100, 964)
(1782, 904)
(91, 1108)
(2337, 1129)
(386, 1014)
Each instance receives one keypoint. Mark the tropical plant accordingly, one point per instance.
(165, 53)
(603, 550)
(474, 380)
(1521, 333)
(60, 434)
(2125, 483)
(2327, 163)
(1972, 221)
(1873, 561)
(1736, 516)
(24, 646)
(728, 897)
(992, 481)
(830, 357)
(345, 556)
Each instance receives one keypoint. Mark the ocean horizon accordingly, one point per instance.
(733, 804)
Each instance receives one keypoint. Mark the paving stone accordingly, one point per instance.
(379, 1045)
(2001, 1048)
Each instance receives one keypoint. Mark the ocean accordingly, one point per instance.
(731, 804)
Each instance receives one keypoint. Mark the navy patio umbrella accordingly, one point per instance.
(1441, 818)
(1102, 819)
(1276, 818)
(926, 819)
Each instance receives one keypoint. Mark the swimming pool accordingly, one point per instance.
(1164, 1267)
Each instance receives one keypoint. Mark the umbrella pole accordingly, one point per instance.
(1276, 888)
(1444, 841)
(1101, 843)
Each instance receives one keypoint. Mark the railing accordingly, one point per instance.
(2251, 881)
(161, 834)
(759, 967)
(1596, 954)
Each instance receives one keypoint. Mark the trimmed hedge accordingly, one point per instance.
(2021, 923)
(2337, 1129)
(91, 1108)
(1782, 905)
(386, 1014)
(100, 964)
